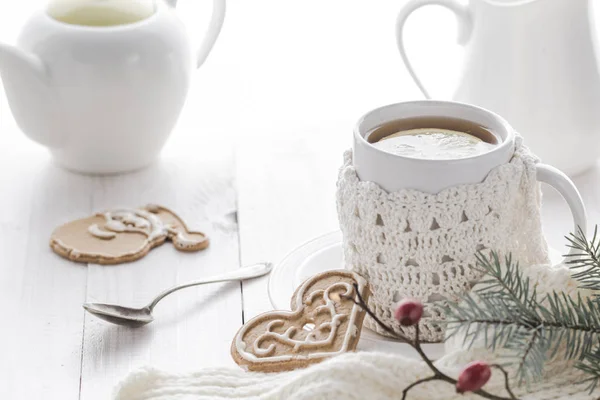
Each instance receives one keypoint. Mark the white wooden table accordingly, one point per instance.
(253, 162)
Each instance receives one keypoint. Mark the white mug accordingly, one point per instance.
(395, 172)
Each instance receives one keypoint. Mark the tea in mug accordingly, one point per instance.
(433, 138)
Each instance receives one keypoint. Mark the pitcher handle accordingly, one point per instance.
(465, 25)
(565, 186)
(214, 29)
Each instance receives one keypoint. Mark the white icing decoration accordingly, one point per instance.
(309, 341)
(115, 226)
(99, 233)
(182, 241)
(137, 220)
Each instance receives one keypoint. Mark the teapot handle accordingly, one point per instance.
(214, 28)
(465, 25)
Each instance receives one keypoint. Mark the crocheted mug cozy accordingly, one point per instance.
(414, 244)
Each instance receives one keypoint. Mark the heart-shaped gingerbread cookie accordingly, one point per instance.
(324, 322)
(124, 235)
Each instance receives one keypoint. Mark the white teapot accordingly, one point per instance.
(101, 83)
(535, 63)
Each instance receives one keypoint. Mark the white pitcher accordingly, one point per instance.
(101, 83)
(533, 62)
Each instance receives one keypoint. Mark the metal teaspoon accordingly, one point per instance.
(136, 317)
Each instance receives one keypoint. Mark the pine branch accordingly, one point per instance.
(509, 286)
(507, 314)
(586, 260)
(585, 263)
(532, 357)
(591, 366)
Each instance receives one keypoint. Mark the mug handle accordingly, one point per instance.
(465, 25)
(214, 28)
(565, 186)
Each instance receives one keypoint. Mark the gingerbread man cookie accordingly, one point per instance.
(324, 322)
(124, 235)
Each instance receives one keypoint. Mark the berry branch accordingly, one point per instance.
(506, 381)
(472, 378)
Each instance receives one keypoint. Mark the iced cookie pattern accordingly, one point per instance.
(324, 322)
(124, 235)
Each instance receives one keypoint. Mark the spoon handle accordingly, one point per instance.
(253, 271)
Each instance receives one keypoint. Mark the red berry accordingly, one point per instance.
(409, 312)
(473, 377)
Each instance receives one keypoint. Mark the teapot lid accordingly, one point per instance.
(101, 12)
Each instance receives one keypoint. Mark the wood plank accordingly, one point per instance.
(40, 293)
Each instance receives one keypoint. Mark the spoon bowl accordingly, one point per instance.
(133, 317)
(137, 317)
